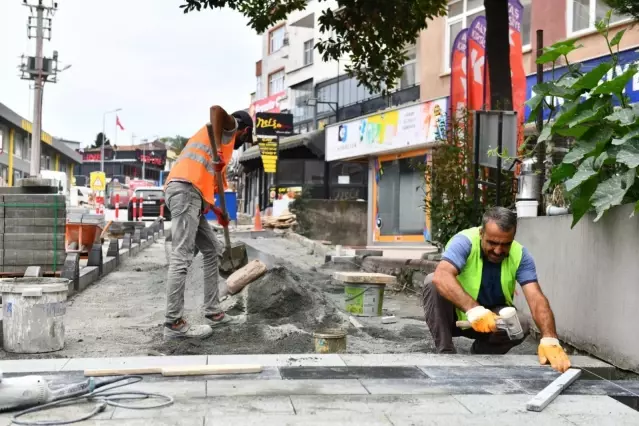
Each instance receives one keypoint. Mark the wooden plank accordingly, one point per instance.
(122, 371)
(550, 392)
(195, 370)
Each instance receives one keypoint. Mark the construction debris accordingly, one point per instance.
(283, 221)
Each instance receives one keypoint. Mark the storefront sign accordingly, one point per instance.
(268, 104)
(458, 74)
(268, 150)
(408, 127)
(156, 158)
(626, 58)
(273, 124)
(95, 156)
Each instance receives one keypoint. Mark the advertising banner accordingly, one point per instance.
(478, 90)
(268, 150)
(458, 74)
(515, 11)
(626, 58)
(408, 127)
(268, 104)
(273, 124)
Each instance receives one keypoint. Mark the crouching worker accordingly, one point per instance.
(475, 279)
(190, 190)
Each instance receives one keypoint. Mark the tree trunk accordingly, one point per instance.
(498, 54)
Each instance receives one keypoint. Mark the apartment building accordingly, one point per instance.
(292, 77)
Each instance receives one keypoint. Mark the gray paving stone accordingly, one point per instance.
(334, 419)
(408, 359)
(604, 419)
(81, 364)
(585, 387)
(284, 387)
(533, 360)
(319, 372)
(213, 407)
(61, 413)
(32, 365)
(441, 386)
(109, 265)
(281, 360)
(563, 404)
(386, 404)
(127, 241)
(268, 373)
(531, 419)
(134, 250)
(186, 420)
(124, 253)
(493, 372)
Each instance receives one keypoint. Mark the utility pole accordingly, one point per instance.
(39, 69)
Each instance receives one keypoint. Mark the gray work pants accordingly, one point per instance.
(190, 229)
(441, 316)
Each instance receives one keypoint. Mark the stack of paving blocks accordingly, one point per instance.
(32, 231)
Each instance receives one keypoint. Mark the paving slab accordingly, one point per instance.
(281, 360)
(619, 388)
(190, 420)
(532, 360)
(81, 364)
(562, 405)
(61, 413)
(364, 278)
(381, 404)
(109, 265)
(33, 365)
(423, 419)
(542, 373)
(409, 359)
(88, 275)
(602, 420)
(124, 253)
(298, 373)
(284, 387)
(135, 249)
(440, 386)
(335, 419)
(268, 373)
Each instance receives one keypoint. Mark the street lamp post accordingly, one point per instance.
(104, 136)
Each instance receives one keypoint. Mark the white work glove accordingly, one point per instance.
(482, 320)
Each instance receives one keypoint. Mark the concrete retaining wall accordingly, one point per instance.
(340, 222)
(590, 274)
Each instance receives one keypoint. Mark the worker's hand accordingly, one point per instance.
(206, 209)
(482, 320)
(551, 351)
(222, 219)
(219, 165)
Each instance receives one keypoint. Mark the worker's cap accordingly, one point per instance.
(244, 121)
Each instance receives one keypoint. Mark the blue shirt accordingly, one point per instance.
(490, 292)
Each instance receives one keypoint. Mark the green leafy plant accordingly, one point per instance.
(600, 170)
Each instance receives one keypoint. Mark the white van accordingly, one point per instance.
(60, 179)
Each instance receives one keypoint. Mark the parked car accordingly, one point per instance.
(153, 198)
(124, 194)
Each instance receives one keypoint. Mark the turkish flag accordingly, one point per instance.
(117, 123)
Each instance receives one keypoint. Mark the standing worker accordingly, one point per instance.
(190, 190)
(475, 279)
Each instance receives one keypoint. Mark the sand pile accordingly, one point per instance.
(279, 313)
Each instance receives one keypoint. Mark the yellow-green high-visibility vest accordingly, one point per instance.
(470, 275)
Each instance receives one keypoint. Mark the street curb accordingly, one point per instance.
(317, 247)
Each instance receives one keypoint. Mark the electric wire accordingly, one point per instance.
(103, 399)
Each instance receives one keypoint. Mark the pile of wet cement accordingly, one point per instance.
(282, 309)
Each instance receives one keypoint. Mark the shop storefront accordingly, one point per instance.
(396, 143)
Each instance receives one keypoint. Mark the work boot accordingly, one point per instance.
(180, 329)
(216, 320)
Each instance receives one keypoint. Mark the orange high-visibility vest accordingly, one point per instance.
(195, 165)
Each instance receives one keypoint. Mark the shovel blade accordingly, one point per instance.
(233, 259)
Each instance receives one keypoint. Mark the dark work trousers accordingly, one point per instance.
(441, 316)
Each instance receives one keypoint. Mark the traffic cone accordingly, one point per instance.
(257, 226)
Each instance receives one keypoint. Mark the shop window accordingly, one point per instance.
(258, 87)
(18, 143)
(300, 95)
(313, 172)
(4, 138)
(583, 14)
(409, 75)
(348, 173)
(290, 172)
(401, 199)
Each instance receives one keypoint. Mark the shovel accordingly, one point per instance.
(234, 256)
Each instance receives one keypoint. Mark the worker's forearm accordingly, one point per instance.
(448, 286)
(221, 121)
(543, 317)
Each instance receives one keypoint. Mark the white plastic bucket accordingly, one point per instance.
(33, 314)
(527, 208)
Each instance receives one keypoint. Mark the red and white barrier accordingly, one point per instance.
(117, 206)
(134, 206)
(140, 212)
(162, 209)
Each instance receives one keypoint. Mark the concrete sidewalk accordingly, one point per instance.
(388, 389)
